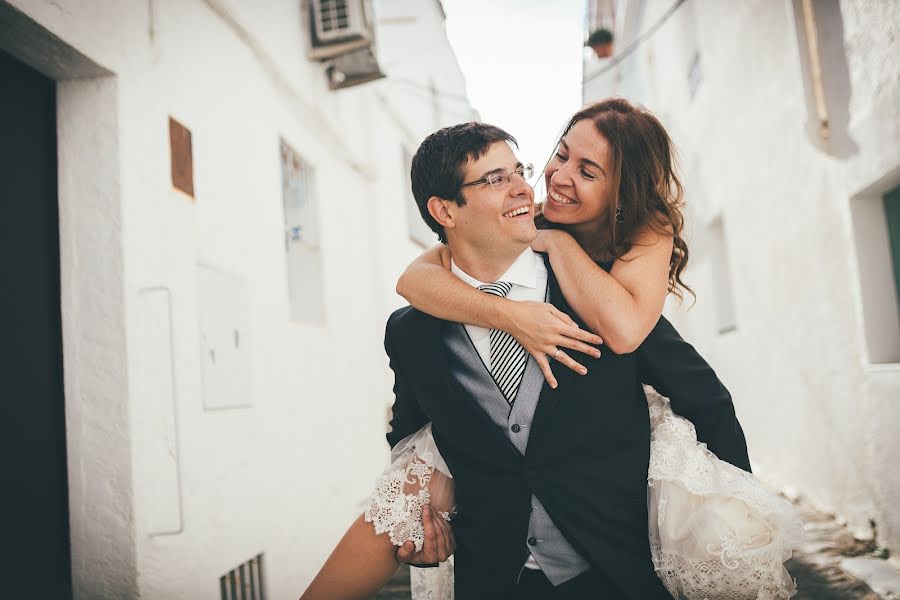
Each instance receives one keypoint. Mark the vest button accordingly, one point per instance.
(532, 541)
(516, 428)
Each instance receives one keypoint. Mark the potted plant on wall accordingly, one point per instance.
(601, 41)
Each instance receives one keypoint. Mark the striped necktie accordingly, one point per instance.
(508, 357)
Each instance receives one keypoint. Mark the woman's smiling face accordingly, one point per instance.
(579, 179)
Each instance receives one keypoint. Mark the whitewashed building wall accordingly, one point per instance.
(208, 420)
(790, 259)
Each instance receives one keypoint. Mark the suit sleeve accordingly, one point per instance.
(676, 370)
(406, 414)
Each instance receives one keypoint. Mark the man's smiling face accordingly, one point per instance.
(495, 218)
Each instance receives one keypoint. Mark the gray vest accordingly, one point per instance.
(557, 558)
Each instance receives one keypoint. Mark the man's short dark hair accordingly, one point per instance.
(437, 164)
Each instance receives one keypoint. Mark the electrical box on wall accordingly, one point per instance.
(224, 344)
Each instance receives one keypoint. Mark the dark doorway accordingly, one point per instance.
(34, 530)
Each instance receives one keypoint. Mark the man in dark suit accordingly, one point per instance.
(551, 484)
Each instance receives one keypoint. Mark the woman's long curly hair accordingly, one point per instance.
(644, 177)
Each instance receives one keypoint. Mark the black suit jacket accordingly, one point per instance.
(587, 455)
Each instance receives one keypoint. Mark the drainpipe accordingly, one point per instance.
(812, 44)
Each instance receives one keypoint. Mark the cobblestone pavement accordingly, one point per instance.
(815, 565)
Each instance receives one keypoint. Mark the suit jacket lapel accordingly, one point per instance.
(549, 397)
(453, 405)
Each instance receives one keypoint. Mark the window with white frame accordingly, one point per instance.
(892, 220)
(690, 41)
(876, 225)
(301, 239)
(726, 318)
(712, 246)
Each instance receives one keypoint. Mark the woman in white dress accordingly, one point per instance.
(611, 224)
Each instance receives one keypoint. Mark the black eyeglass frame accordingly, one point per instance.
(502, 179)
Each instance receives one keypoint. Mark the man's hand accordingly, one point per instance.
(439, 543)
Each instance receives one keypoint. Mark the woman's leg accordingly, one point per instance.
(359, 566)
(363, 561)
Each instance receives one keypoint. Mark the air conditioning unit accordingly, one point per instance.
(353, 68)
(339, 26)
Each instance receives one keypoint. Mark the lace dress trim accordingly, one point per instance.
(715, 530)
(402, 491)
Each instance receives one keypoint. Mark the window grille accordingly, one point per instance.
(244, 582)
(334, 15)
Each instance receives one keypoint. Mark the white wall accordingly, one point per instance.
(419, 61)
(819, 415)
(166, 495)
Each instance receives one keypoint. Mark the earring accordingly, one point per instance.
(619, 217)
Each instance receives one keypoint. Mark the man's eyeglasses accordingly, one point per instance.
(502, 179)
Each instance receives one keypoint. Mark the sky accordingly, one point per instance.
(522, 64)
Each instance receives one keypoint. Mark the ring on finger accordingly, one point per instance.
(555, 354)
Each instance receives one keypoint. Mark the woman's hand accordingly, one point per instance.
(546, 238)
(543, 330)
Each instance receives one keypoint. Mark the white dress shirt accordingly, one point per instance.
(528, 274)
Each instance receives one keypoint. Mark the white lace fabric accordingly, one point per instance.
(715, 530)
(435, 583)
(416, 476)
